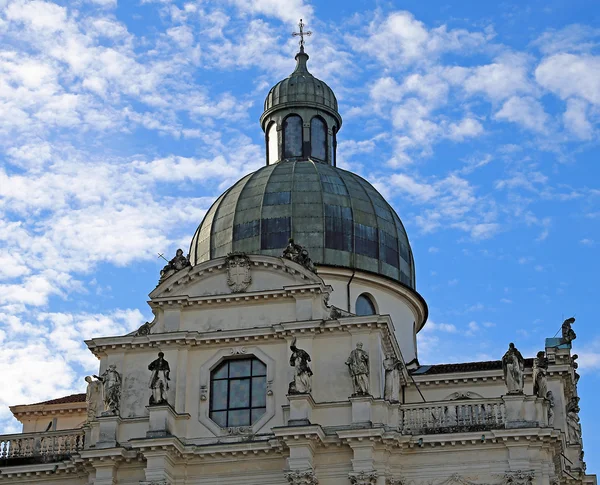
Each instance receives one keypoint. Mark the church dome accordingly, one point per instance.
(336, 215)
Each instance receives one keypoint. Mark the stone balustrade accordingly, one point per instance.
(41, 447)
(453, 416)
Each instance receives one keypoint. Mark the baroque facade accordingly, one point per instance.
(283, 351)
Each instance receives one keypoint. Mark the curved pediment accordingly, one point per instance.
(236, 274)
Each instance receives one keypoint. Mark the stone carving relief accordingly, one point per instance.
(235, 430)
(568, 334)
(238, 272)
(143, 330)
(358, 366)
(178, 263)
(203, 393)
(394, 481)
(237, 350)
(155, 482)
(519, 478)
(575, 366)
(513, 366)
(111, 390)
(159, 380)
(550, 398)
(392, 367)
(573, 425)
(305, 477)
(454, 479)
(302, 383)
(298, 254)
(92, 397)
(540, 375)
(463, 395)
(363, 478)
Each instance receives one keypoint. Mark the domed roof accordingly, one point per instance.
(300, 89)
(338, 216)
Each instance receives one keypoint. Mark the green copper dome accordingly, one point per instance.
(337, 215)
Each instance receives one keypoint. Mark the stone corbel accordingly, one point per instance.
(303, 477)
(363, 477)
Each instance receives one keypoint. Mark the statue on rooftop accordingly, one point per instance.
(92, 397)
(540, 374)
(298, 254)
(568, 334)
(358, 365)
(176, 264)
(111, 389)
(159, 380)
(513, 366)
(392, 367)
(550, 398)
(302, 383)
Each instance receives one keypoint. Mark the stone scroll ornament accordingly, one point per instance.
(513, 367)
(302, 383)
(178, 263)
(358, 366)
(111, 390)
(238, 272)
(540, 374)
(298, 254)
(159, 380)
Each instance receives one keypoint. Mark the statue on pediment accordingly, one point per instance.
(358, 366)
(568, 334)
(540, 374)
(298, 254)
(178, 263)
(92, 397)
(392, 367)
(513, 367)
(159, 380)
(302, 383)
(111, 389)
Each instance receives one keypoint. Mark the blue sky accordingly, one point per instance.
(122, 121)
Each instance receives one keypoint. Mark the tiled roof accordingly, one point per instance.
(463, 367)
(64, 400)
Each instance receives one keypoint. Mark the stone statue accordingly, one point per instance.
(513, 366)
(92, 397)
(176, 264)
(111, 389)
(302, 383)
(358, 365)
(568, 334)
(159, 380)
(540, 374)
(298, 254)
(392, 368)
(575, 366)
(550, 398)
(573, 425)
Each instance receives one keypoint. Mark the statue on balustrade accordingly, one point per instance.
(358, 365)
(540, 374)
(298, 254)
(302, 383)
(568, 334)
(513, 366)
(392, 367)
(159, 380)
(176, 264)
(92, 397)
(111, 389)
(573, 424)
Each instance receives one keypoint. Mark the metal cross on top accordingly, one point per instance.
(302, 34)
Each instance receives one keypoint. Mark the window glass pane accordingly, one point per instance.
(258, 368)
(257, 414)
(221, 371)
(292, 135)
(272, 143)
(318, 139)
(364, 306)
(239, 368)
(218, 395)
(239, 393)
(239, 418)
(259, 392)
(220, 418)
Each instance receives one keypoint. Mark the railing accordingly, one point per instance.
(41, 447)
(453, 416)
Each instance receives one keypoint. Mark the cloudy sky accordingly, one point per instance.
(121, 121)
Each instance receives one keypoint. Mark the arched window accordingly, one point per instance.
(272, 145)
(292, 137)
(318, 139)
(238, 392)
(365, 305)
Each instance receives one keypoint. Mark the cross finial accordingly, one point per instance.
(308, 33)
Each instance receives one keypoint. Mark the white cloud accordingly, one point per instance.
(466, 128)
(290, 11)
(576, 120)
(525, 111)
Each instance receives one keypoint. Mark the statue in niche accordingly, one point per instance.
(392, 367)
(550, 398)
(575, 366)
(92, 397)
(573, 425)
(302, 383)
(540, 374)
(358, 365)
(298, 254)
(111, 389)
(176, 264)
(513, 366)
(568, 334)
(159, 380)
